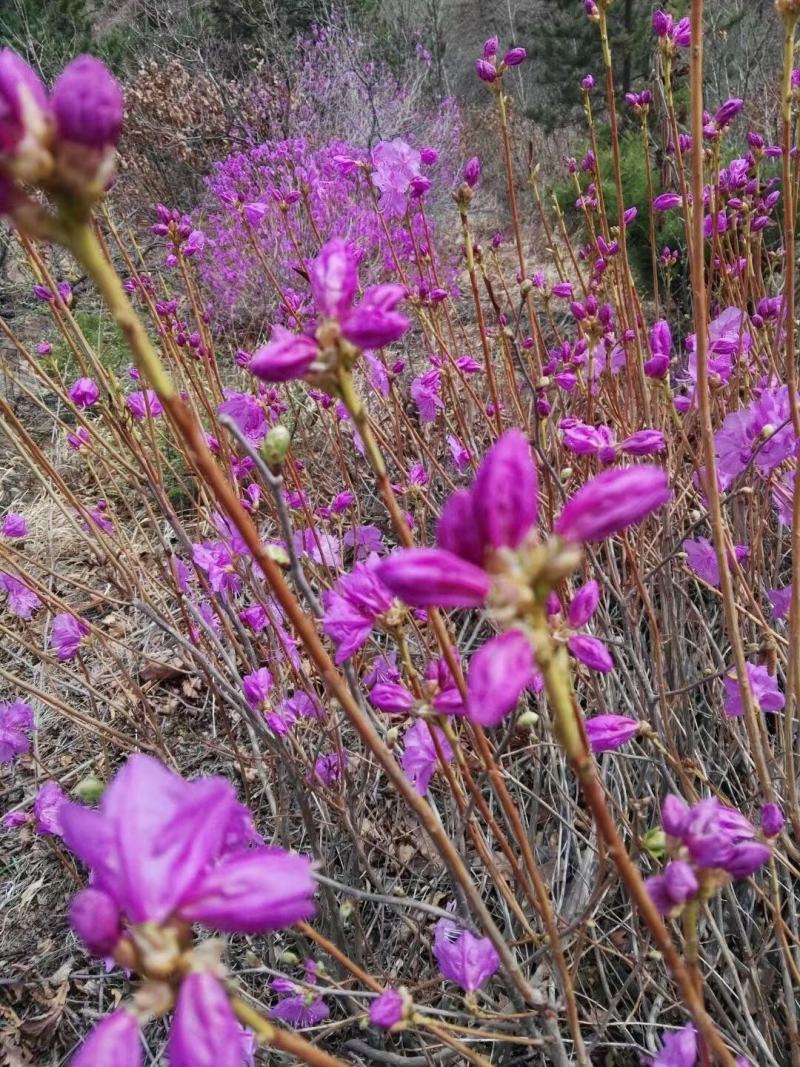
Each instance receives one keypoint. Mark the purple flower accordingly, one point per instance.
(713, 834)
(14, 525)
(21, 599)
(256, 687)
(505, 492)
(301, 1010)
(88, 104)
(285, 357)
(160, 846)
(679, 1049)
(84, 393)
(764, 687)
(247, 413)
(426, 577)
(48, 809)
(354, 605)
(426, 393)
(144, 402)
(613, 501)
(330, 769)
(95, 918)
(515, 56)
(396, 165)
(728, 112)
(16, 721)
(682, 33)
(472, 172)
(671, 889)
(374, 322)
(389, 1009)
(114, 1042)
(498, 674)
(491, 46)
(583, 604)
(644, 443)
(609, 732)
(204, 1031)
(701, 556)
(24, 111)
(419, 759)
(486, 71)
(772, 820)
(67, 634)
(194, 243)
(675, 815)
(392, 698)
(463, 958)
(591, 652)
(667, 201)
(662, 23)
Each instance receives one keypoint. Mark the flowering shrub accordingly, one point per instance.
(475, 574)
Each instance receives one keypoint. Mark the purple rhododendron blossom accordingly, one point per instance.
(67, 634)
(678, 1049)
(419, 759)
(114, 1042)
(16, 722)
(204, 1030)
(161, 846)
(764, 687)
(388, 1010)
(608, 732)
(353, 607)
(701, 556)
(20, 598)
(499, 672)
(463, 958)
(14, 525)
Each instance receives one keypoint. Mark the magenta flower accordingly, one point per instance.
(419, 759)
(144, 402)
(160, 846)
(354, 607)
(515, 56)
(772, 820)
(389, 1010)
(701, 557)
(84, 393)
(499, 672)
(16, 722)
(391, 698)
(472, 172)
(48, 810)
(667, 201)
(673, 888)
(395, 166)
(88, 104)
(764, 687)
(463, 958)
(426, 577)
(679, 1049)
(14, 525)
(330, 769)
(95, 918)
(611, 502)
(505, 492)
(256, 688)
(591, 652)
(204, 1031)
(584, 604)
(715, 836)
(426, 393)
(20, 598)
(114, 1042)
(67, 634)
(608, 732)
(287, 356)
(24, 114)
(301, 1009)
(486, 71)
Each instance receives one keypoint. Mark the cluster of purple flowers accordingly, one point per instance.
(706, 842)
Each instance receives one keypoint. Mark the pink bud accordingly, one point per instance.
(486, 71)
(457, 530)
(391, 698)
(472, 172)
(608, 732)
(334, 278)
(505, 494)
(88, 104)
(591, 651)
(613, 501)
(388, 1010)
(584, 604)
(772, 820)
(24, 113)
(490, 47)
(95, 919)
(427, 577)
(515, 56)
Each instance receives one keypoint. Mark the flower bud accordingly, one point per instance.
(613, 501)
(472, 172)
(88, 104)
(609, 732)
(276, 445)
(486, 71)
(24, 118)
(95, 919)
(427, 577)
(772, 820)
(390, 1009)
(515, 56)
(505, 494)
(285, 357)
(498, 673)
(89, 789)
